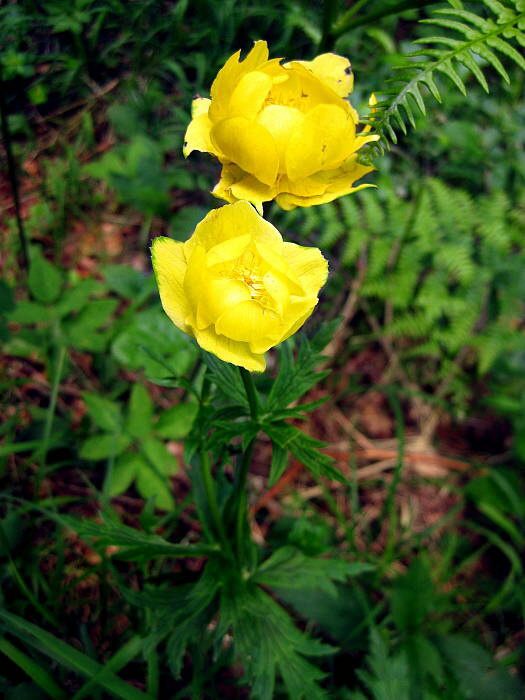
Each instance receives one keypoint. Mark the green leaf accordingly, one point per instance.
(156, 452)
(480, 676)
(304, 448)
(389, 675)
(172, 355)
(7, 299)
(103, 412)
(289, 568)
(267, 642)
(152, 481)
(120, 477)
(133, 545)
(413, 597)
(176, 422)
(278, 465)
(104, 446)
(44, 279)
(66, 655)
(75, 298)
(140, 415)
(29, 312)
(295, 378)
(227, 378)
(128, 282)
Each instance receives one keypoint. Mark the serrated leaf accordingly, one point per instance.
(140, 412)
(267, 642)
(297, 376)
(104, 413)
(289, 568)
(44, 279)
(278, 465)
(133, 545)
(304, 448)
(227, 378)
(104, 446)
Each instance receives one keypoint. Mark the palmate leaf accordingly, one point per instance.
(469, 37)
(268, 643)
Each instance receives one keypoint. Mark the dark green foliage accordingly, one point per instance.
(491, 39)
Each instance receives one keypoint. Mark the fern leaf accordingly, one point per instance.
(469, 35)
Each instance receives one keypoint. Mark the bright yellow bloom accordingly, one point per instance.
(282, 132)
(236, 286)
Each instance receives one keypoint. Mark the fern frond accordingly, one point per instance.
(473, 38)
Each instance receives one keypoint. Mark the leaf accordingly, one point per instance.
(227, 378)
(151, 477)
(29, 312)
(304, 448)
(103, 412)
(177, 422)
(413, 597)
(479, 675)
(267, 642)
(66, 655)
(133, 545)
(389, 675)
(44, 279)
(123, 472)
(140, 412)
(171, 355)
(295, 378)
(278, 465)
(289, 568)
(128, 282)
(104, 446)
(157, 454)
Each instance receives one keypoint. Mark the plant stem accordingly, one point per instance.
(59, 367)
(348, 21)
(11, 169)
(327, 38)
(240, 498)
(211, 496)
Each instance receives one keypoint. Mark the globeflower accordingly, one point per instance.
(283, 132)
(236, 286)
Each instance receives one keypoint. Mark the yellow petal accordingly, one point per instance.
(309, 266)
(197, 136)
(169, 265)
(304, 90)
(333, 70)
(200, 105)
(298, 314)
(193, 280)
(230, 350)
(250, 189)
(316, 141)
(276, 287)
(230, 74)
(249, 145)
(248, 321)
(232, 221)
(228, 251)
(218, 295)
(249, 94)
(280, 122)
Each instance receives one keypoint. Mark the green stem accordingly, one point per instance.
(327, 38)
(211, 496)
(11, 169)
(348, 21)
(59, 367)
(240, 498)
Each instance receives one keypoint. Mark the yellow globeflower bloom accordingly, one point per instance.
(283, 132)
(236, 286)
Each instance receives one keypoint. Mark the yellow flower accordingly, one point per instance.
(236, 286)
(282, 132)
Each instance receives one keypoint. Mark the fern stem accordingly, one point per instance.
(424, 74)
